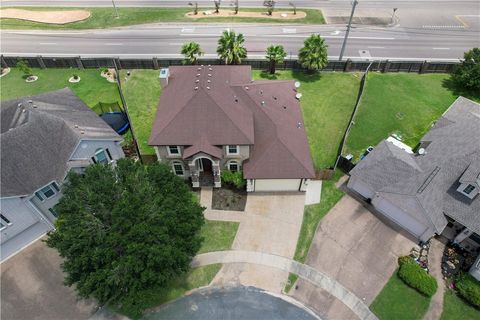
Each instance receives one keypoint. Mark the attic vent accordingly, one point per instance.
(199, 68)
(263, 103)
(30, 101)
(24, 110)
(82, 132)
(35, 106)
(274, 98)
(210, 69)
(198, 74)
(209, 81)
(209, 74)
(19, 105)
(208, 88)
(246, 88)
(197, 81)
(76, 126)
(196, 88)
(299, 125)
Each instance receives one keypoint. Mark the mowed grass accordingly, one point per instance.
(327, 103)
(399, 301)
(455, 308)
(142, 93)
(401, 103)
(106, 18)
(92, 88)
(217, 235)
(198, 277)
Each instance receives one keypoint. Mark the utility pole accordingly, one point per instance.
(354, 4)
(115, 7)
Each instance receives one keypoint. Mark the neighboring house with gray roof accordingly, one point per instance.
(215, 118)
(43, 137)
(434, 191)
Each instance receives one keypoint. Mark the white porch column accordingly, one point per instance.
(194, 174)
(217, 180)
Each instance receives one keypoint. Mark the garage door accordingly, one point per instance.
(277, 184)
(360, 187)
(401, 218)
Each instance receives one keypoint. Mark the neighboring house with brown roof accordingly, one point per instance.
(433, 191)
(215, 118)
(43, 137)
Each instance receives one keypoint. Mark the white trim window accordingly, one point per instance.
(178, 169)
(102, 156)
(4, 222)
(48, 191)
(468, 189)
(173, 151)
(233, 166)
(233, 150)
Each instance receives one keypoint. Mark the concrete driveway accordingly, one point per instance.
(271, 224)
(357, 249)
(32, 288)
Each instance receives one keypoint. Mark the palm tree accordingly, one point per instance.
(230, 47)
(191, 51)
(313, 55)
(275, 54)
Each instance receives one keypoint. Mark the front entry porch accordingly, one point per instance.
(205, 172)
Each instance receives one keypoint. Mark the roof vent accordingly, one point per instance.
(209, 81)
(246, 88)
(421, 151)
(35, 106)
(198, 74)
(19, 105)
(197, 81)
(82, 132)
(24, 110)
(263, 103)
(210, 69)
(209, 65)
(196, 88)
(298, 96)
(261, 91)
(76, 126)
(208, 88)
(274, 98)
(209, 74)
(285, 107)
(236, 99)
(199, 68)
(30, 101)
(201, 65)
(299, 125)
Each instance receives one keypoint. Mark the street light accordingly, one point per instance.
(354, 4)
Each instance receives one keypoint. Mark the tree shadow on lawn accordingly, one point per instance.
(458, 90)
(299, 75)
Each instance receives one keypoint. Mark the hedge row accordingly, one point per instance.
(469, 288)
(414, 276)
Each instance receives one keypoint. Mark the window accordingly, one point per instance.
(231, 149)
(233, 166)
(173, 150)
(4, 222)
(53, 212)
(101, 157)
(469, 189)
(178, 168)
(47, 191)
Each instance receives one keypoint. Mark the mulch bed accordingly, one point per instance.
(228, 198)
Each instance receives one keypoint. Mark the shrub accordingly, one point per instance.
(233, 178)
(23, 66)
(467, 74)
(469, 288)
(414, 276)
(75, 76)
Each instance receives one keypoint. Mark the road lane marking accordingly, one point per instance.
(188, 30)
(444, 27)
(376, 47)
(48, 43)
(113, 44)
(334, 33)
(175, 44)
(328, 37)
(441, 48)
(287, 30)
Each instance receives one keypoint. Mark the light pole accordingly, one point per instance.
(393, 14)
(354, 4)
(115, 7)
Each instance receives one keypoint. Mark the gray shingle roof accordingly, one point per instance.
(39, 134)
(452, 155)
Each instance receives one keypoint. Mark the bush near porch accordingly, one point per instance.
(469, 288)
(413, 275)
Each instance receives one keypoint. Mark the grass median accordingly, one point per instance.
(106, 18)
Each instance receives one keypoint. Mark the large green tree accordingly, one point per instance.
(191, 51)
(313, 55)
(275, 54)
(231, 47)
(125, 229)
(467, 74)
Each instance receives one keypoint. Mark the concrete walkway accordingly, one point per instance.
(435, 263)
(314, 192)
(306, 272)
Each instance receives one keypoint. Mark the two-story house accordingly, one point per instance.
(42, 138)
(434, 190)
(214, 118)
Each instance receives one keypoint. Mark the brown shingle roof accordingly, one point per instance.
(233, 109)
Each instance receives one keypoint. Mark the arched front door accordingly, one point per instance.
(204, 167)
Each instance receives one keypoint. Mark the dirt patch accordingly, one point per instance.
(109, 74)
(53, 17)
(284, 15)
(229, 199)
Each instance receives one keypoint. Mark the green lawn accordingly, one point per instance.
(327, 104)
(92, 88)
(311, 218)
(399, 301)
(105, 18)
(142, 94)
(196, 278)
(455, 308)
(218, 235)
(406, 104)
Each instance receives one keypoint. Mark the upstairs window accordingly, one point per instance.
(173, 150)
(101, 156)
(468, 189)
(48, 191)
(232, 150)
(4, 222)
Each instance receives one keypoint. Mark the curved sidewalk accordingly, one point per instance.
(306, 272)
